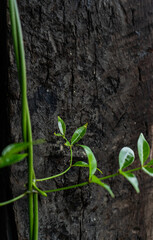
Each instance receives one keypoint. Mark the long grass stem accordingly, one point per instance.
(26, 123)
(36, 220)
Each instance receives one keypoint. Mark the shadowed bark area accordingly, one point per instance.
(87, 61)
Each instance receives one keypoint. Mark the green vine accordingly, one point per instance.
(14, 152)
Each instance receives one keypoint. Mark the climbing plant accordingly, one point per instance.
(18, 151)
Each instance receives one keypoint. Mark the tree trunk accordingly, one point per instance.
(87, 61)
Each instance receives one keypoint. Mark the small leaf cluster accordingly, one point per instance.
(127, 156)
(78, 134)
(13, 153)
(92, 162)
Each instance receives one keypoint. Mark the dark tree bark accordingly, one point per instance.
(87, 61)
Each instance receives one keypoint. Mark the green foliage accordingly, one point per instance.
(9, 160)
(143, 149)
(12, 153)
(91, 160)
(80, 164)
(61, 126)
(150, 163)
(104, 185)
(126, 157)
(14, 148)
(67, 144)
(132, 179)
(148, 170)
(58, 134)
(79, 134)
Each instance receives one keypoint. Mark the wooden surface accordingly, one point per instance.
(87, 61)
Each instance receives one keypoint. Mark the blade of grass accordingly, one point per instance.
(26, 123)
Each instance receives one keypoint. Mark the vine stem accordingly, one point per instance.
(13, 200)
(60, 174)
(118, 173)
(55, 176)
(36, 220)
(66, 188)
(86, 183)
(71, 156)
(26, 123)
(40, 191)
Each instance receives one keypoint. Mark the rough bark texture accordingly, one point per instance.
(87, 61)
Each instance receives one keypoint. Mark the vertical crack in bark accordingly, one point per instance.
(82, 209)
(133, 17)
(89, 26)
(40, 13)
(72, 84)
(80, 230)
(95, 72)
(64, 22)
(7, 223)
(75, 44)
(146, 127)
(47, 65)
(139, 71)
(95, 64)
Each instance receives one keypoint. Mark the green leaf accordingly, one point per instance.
(61, 126)
(67, 144)
(126, 157)
(104, 185)
(78, 134)
(148, 170)
(80, 164)
(14, 148)
(8, 160)
(143, 149)
(132, 179)
(99, 170)
(150, 163)
(91, 160)
(58, 134)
